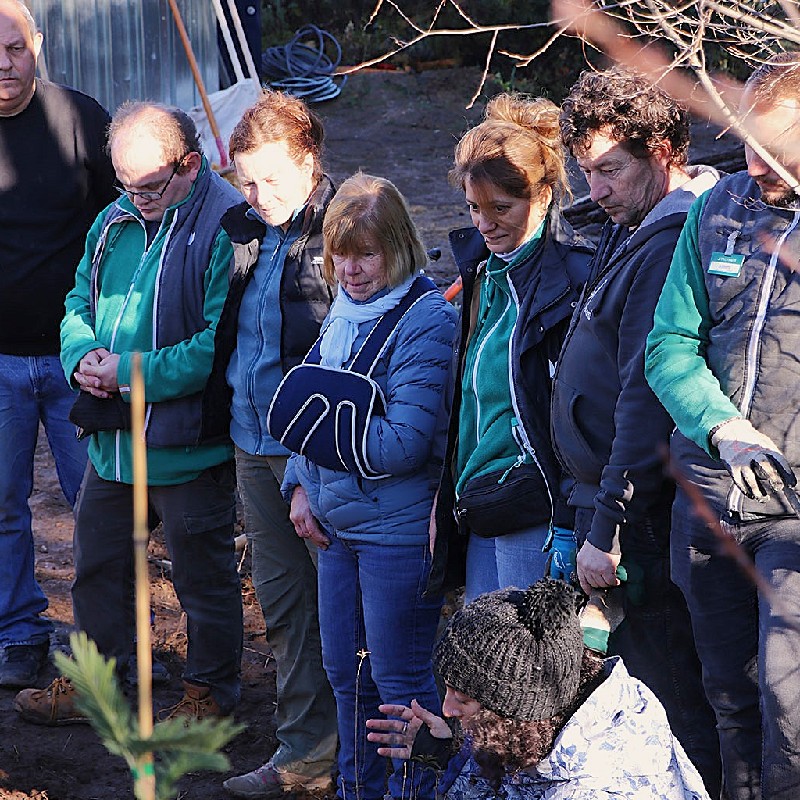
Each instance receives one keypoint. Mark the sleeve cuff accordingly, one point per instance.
(124, 376)
(604, 534)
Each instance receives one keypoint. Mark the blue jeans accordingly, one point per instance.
(515, 559)
(750, 651)
(32, 390)
(377, 638)
(198, 518)
(285, 580)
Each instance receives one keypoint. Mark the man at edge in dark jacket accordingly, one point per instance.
(630, 141)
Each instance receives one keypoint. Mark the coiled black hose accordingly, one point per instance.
(302, 70)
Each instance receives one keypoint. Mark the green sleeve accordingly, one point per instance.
(77, 327)
(675, 363)
(183, 368)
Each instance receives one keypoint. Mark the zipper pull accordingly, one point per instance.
(519, 462)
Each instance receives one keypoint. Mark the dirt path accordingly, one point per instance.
(399, 125)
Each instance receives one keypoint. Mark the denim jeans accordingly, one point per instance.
(285, 580)
(32, 390)
(749, 646)
(515, 559)
(656, 643)
(198, 518)
(377, 639)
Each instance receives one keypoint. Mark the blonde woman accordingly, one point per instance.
(364, 486)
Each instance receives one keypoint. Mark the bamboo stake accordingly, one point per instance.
(145, 776)
(198, 79)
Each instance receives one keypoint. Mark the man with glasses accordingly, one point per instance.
(153, 280)
(55, 176)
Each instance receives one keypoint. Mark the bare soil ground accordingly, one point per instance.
(399, 125)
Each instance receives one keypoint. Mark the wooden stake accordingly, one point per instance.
(145, 775)
(198, 79)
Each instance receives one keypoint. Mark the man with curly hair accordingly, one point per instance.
(630, 141)
(723, 358)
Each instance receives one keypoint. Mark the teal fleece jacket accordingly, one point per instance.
(127, 282)
(675, 364)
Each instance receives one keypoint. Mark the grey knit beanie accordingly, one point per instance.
(518, 653)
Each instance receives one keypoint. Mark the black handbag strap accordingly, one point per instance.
(370, 351)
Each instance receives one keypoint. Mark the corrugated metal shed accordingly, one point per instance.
(117, 50)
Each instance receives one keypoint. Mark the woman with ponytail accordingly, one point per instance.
(522, 269)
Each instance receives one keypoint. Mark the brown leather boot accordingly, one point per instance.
(196, 703)
(54, 705)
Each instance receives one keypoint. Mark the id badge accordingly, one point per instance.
(729, 266)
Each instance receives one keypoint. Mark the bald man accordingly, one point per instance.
(153, 280)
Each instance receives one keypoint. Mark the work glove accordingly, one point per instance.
(563, 555)
(743, 449)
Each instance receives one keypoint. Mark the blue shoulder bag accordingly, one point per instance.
(324, 412)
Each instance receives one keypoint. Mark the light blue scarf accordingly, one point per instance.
(346, 315)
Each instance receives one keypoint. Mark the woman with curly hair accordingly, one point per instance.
(522, 269)
(544, 717)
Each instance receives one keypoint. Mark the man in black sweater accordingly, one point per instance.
(55, 177)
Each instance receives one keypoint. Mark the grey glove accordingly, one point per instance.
(754, 461)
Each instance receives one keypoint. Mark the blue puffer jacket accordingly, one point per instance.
(407, 442)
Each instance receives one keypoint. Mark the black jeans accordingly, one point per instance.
(657, 645)
(749, 646)
(198, 519)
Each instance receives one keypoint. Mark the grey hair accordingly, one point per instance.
(25, 11)
(173, 128)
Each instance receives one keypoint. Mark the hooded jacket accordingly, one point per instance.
(609, 430)
(406, 442)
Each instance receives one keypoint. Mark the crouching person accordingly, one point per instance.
(543, 716)
(153, 279)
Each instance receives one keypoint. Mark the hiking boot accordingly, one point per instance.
(269, 781)
(196, 703)
(54, 705)
(20, 664)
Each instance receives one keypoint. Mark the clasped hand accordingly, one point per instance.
(97, 372)
(305, 523)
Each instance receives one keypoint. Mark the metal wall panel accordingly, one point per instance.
(117, 50)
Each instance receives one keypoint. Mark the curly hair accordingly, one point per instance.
(517, 147)
(629, 108)
(501, 745)
(279, 117)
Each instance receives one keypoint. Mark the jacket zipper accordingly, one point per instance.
(251, 367)
(524, 439)
(478, 354)
(735, 497)
(118, 321)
